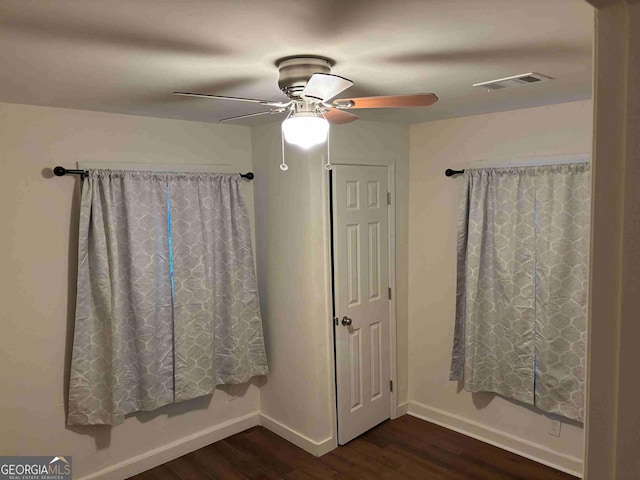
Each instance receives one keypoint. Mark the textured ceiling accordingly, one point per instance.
(128, 56)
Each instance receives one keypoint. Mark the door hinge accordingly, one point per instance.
(388, 198)
(389, 293)
(391, 385)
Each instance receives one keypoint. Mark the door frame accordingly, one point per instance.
(391, 212)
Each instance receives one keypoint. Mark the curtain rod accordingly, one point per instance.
(524, 161)
(61, 171)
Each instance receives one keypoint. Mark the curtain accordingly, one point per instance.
(563, 213)
(521, 300)
(167, 305)
(217, 315)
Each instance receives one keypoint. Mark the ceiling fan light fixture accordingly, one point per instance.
(305, 130)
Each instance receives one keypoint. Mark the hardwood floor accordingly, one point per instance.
(405, 448)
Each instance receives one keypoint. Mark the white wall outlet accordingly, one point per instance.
(554, 428)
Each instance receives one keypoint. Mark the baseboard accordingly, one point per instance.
(506, 441)
(298, 439)
(166, 453)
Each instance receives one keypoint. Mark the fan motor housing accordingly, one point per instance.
(295, 72)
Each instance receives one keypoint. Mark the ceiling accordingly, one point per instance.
(128, 56)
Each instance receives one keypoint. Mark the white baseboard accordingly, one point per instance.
(166, 453)
(506, 441)
(314, 448)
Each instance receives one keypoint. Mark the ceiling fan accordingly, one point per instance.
(307, 81)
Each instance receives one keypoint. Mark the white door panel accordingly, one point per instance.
(361, 270)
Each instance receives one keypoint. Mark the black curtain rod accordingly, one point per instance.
(61, 171)
(450, 173)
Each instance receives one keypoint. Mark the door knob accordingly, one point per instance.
(346, 321)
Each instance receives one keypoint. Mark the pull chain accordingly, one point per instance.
(328, 165)
(283, 166)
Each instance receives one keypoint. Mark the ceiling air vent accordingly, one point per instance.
(523, 79)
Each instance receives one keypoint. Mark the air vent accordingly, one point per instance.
(508, 82)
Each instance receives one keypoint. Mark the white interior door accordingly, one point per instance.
(361, 282)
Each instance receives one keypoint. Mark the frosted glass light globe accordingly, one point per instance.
(305, 130)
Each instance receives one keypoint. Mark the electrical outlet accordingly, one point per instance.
(554, 428)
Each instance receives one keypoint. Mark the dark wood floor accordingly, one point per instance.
(405, 448)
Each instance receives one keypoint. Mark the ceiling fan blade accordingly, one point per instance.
(339, 117)
(390, 101)
(247, 116)
(324, 86)
(239, 99)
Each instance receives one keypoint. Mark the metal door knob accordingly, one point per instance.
(346, 321)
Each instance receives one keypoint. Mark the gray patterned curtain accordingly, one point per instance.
(215, 294)
(521, 301)
(167, 305)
